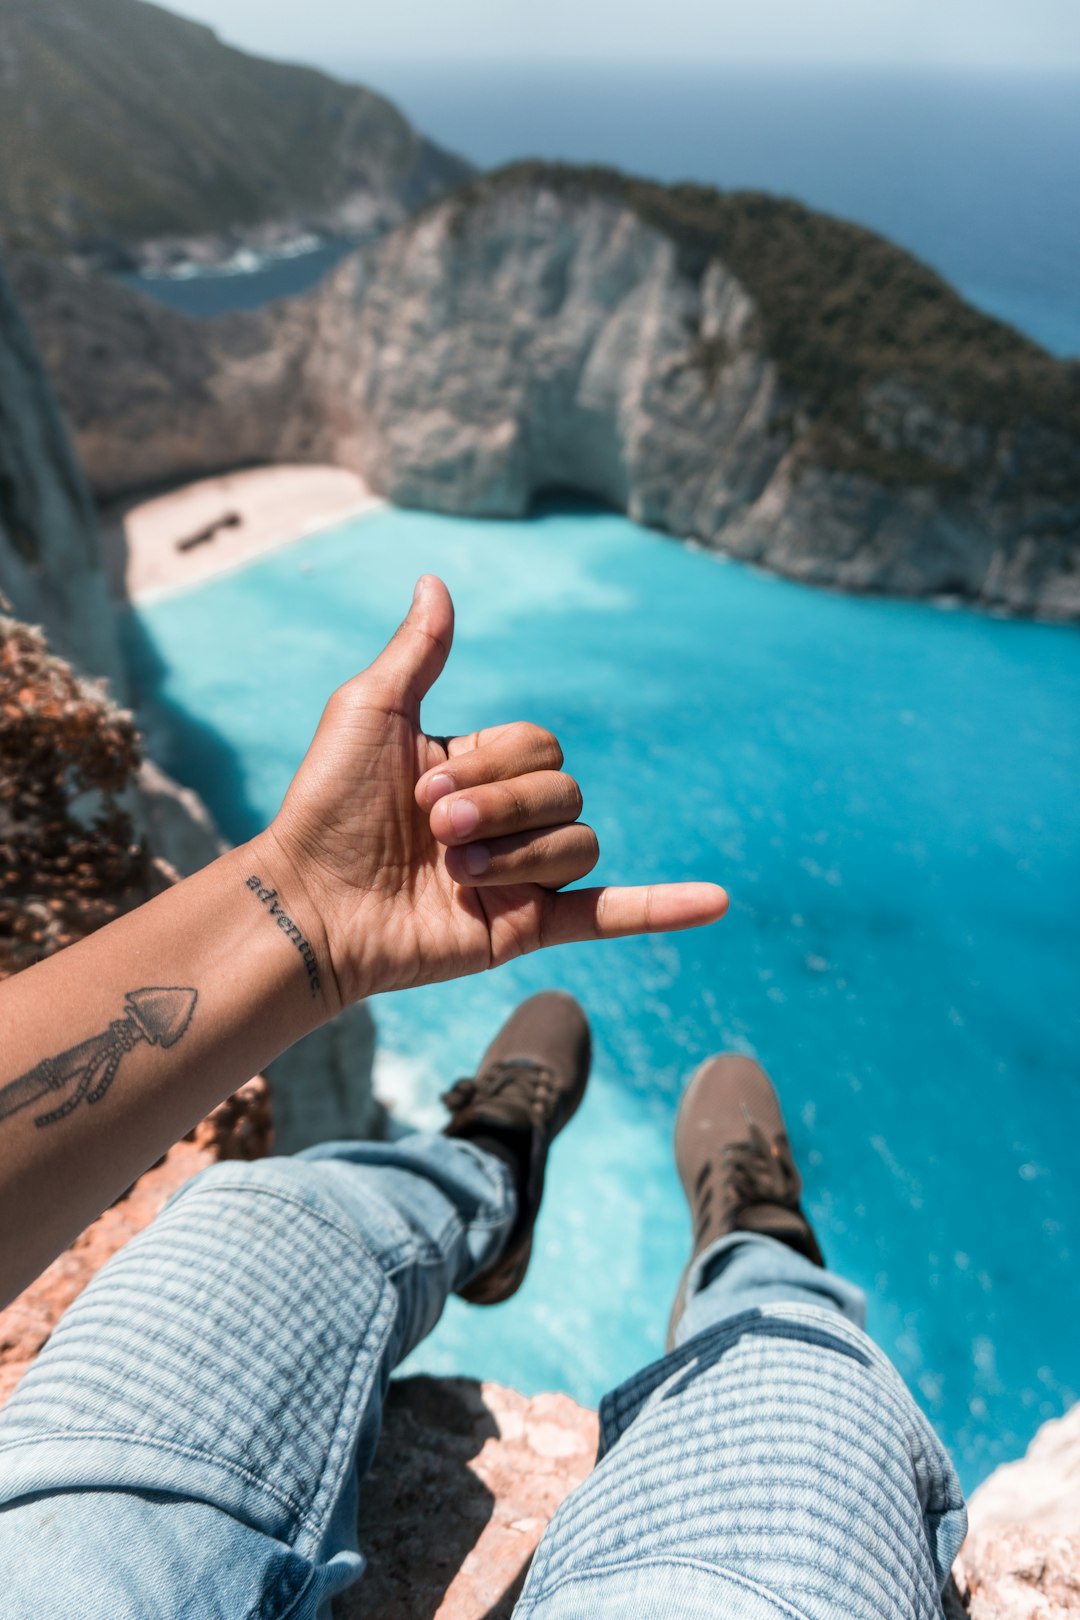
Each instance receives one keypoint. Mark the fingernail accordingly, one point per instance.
(464, 817)
(439, 787)
(421, 586)
(477, 859)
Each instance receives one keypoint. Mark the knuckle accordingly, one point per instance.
(515, 806)
(339, 702)
(541, 743)
(590, 848)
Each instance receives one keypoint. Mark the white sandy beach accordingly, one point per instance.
(243, 514)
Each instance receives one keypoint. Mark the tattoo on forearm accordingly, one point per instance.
(268, 897)
(158, 1014)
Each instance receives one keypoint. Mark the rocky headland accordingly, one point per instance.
(734, 369)
(133, 136)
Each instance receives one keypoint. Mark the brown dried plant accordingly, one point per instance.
(70, 859)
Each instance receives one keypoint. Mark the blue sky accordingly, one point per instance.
(940, 33)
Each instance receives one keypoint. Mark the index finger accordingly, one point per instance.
(612, 913)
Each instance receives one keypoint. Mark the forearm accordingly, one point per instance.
(98, 1077)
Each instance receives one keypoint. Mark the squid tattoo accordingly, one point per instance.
(157, 1014)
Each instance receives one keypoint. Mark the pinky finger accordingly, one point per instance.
(657, 908)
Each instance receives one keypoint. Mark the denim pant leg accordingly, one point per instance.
(772, 1465)
(190, 1441)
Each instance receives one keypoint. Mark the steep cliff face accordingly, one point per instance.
(50, 565)
(731, 368)
(152, 397)
(120, 122)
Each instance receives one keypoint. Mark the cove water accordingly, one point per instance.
(889, 792)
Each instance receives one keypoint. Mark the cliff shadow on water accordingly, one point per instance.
(188, 747)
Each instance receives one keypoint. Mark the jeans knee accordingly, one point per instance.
(239, 1178)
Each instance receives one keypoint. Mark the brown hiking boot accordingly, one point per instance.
(735, 1163)
(529, 1084)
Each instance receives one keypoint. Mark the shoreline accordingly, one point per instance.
(198, 531)
(212, 526)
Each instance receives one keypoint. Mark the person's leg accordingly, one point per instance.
(191, 1440)
(773, 1462)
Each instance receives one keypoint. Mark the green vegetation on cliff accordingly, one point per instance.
(120, 122)
(898, 377)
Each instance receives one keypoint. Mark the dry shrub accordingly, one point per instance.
(70, 859)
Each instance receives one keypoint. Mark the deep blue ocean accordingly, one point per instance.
(978, 174)
(889, 792)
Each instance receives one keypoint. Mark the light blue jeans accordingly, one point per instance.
(192, 1441)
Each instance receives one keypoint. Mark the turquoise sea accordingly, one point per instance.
(888, 790)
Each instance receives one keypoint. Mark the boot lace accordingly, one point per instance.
(535, 1083)
(756, 1171)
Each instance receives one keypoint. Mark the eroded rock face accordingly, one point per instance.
(50, 564)
(153, 398)
(736, 370)
(1021, 1560)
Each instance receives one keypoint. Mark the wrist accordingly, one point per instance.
(278, 881)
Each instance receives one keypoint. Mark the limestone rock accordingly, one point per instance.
(50, 564)
(179, 828)
(1021, 1560)
(153, 398)
(465, 1479)
(240, 1128)
(732, 368)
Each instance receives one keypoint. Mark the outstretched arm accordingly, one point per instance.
(396, 859)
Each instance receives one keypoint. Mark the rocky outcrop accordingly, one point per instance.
(465, 1479)
(70, 858)
(178, 827)
(50, 564)
(1021, 1560)
(734, 369)
(153, 398)
(122, 124)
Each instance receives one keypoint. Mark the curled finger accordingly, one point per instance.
(497, 755)
(500, 809)
(555, 856)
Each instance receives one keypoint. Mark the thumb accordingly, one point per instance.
(414, 657)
